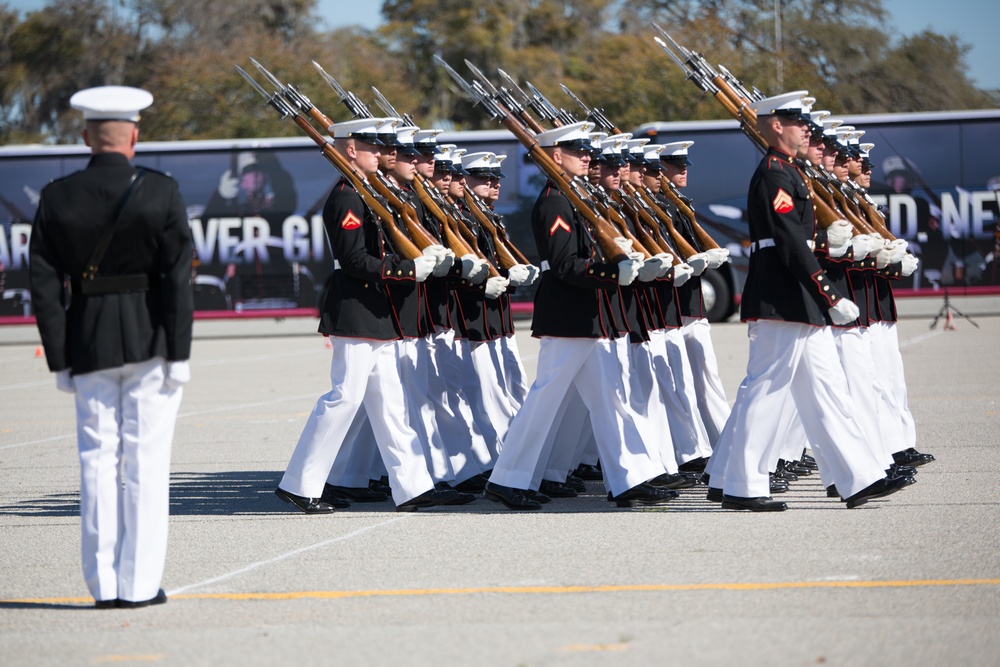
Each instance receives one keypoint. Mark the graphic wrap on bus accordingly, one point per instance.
(936, 176)
(255, 206)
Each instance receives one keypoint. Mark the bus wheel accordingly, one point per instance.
(716, 293)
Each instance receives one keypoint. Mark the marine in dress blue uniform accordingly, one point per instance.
(122, 343)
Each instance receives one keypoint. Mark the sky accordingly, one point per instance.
(975, 22)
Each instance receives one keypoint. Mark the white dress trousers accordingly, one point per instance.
(889, 368)
(362, 373)
(708, 390)
(125, 430)
(686, 429)
(462, 435)
(593, 367)
(649, 405)
(416, 370)
(800, 360)
(513, 371)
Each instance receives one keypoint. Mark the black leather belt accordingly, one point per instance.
(136, 282)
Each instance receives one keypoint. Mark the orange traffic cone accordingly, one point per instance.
(949, 322)
(39, 352)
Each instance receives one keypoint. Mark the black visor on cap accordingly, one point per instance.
(425, 147)
(408, 149)
(496, 172)
(576, 144)
(613, 160)
(367, 137)
(652, 165)
(676, 160)
(390, 139)
(442, 165)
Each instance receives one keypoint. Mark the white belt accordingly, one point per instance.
(544, 265)
(336, 264)
(761, 244)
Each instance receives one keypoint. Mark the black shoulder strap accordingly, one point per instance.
(102, 244)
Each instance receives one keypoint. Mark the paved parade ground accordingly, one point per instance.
(909, 580)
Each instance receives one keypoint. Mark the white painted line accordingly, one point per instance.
(920, 338)
(296, 552)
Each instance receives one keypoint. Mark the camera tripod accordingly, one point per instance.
(946, 310)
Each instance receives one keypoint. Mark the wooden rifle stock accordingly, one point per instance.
(452, 238)
(504, 255)
(644, 217)
(679, 245)
(400, 242)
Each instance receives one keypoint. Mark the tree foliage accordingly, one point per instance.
(184, 52)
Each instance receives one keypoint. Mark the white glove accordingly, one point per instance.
(698, 263)
(897, 248)
(877, 244)
(861, 245)
(495, 286)
(681, 274)
(443, 257)
(845, 312)
(838, 235)
(717, 257)
(666, 262)
(533, 273)
(229, 185)
(423, 266)
(624, 243)
(474, 269)
(650, 269)
(178, 374)
(628, 271)
(64, 382)
(517, 275)
(910, 264)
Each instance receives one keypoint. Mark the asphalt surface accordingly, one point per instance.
(913, 579)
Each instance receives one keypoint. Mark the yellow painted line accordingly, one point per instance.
(550, 590)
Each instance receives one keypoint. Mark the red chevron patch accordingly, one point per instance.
(350, 221)
(782, 202)
(557, 225)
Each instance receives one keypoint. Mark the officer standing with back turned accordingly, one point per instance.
(119, 236)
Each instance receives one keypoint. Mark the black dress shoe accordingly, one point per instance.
(474, 484)
(537, 496)
(832, 492)
(432, 498)
(514, 499)
(358, 494)
(307, 505)
(705, 479)
(879, 489)
(461, 497)
(760, 504)
(777, 484)
(911, 457)
(900, 471)
(781, 473)
(161, 598)
(575, 483)
(714, 495)
(644, 494)
(589, 473)
(106, 604)
(676, 480)
(694, 465)
(797, 468)
(808, 461)
(381, 485)
(555, 489)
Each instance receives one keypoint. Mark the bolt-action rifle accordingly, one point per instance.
(829, 199)
(603, 230)
(282, 102)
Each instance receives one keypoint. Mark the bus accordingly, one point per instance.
(255, 206)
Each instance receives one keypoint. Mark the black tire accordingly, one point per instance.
(718, 296)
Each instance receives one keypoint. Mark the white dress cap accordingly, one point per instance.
(786, 104)
(575, 135)
(111, 102)
(363, 129)
(481, 161)
(676, 152)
